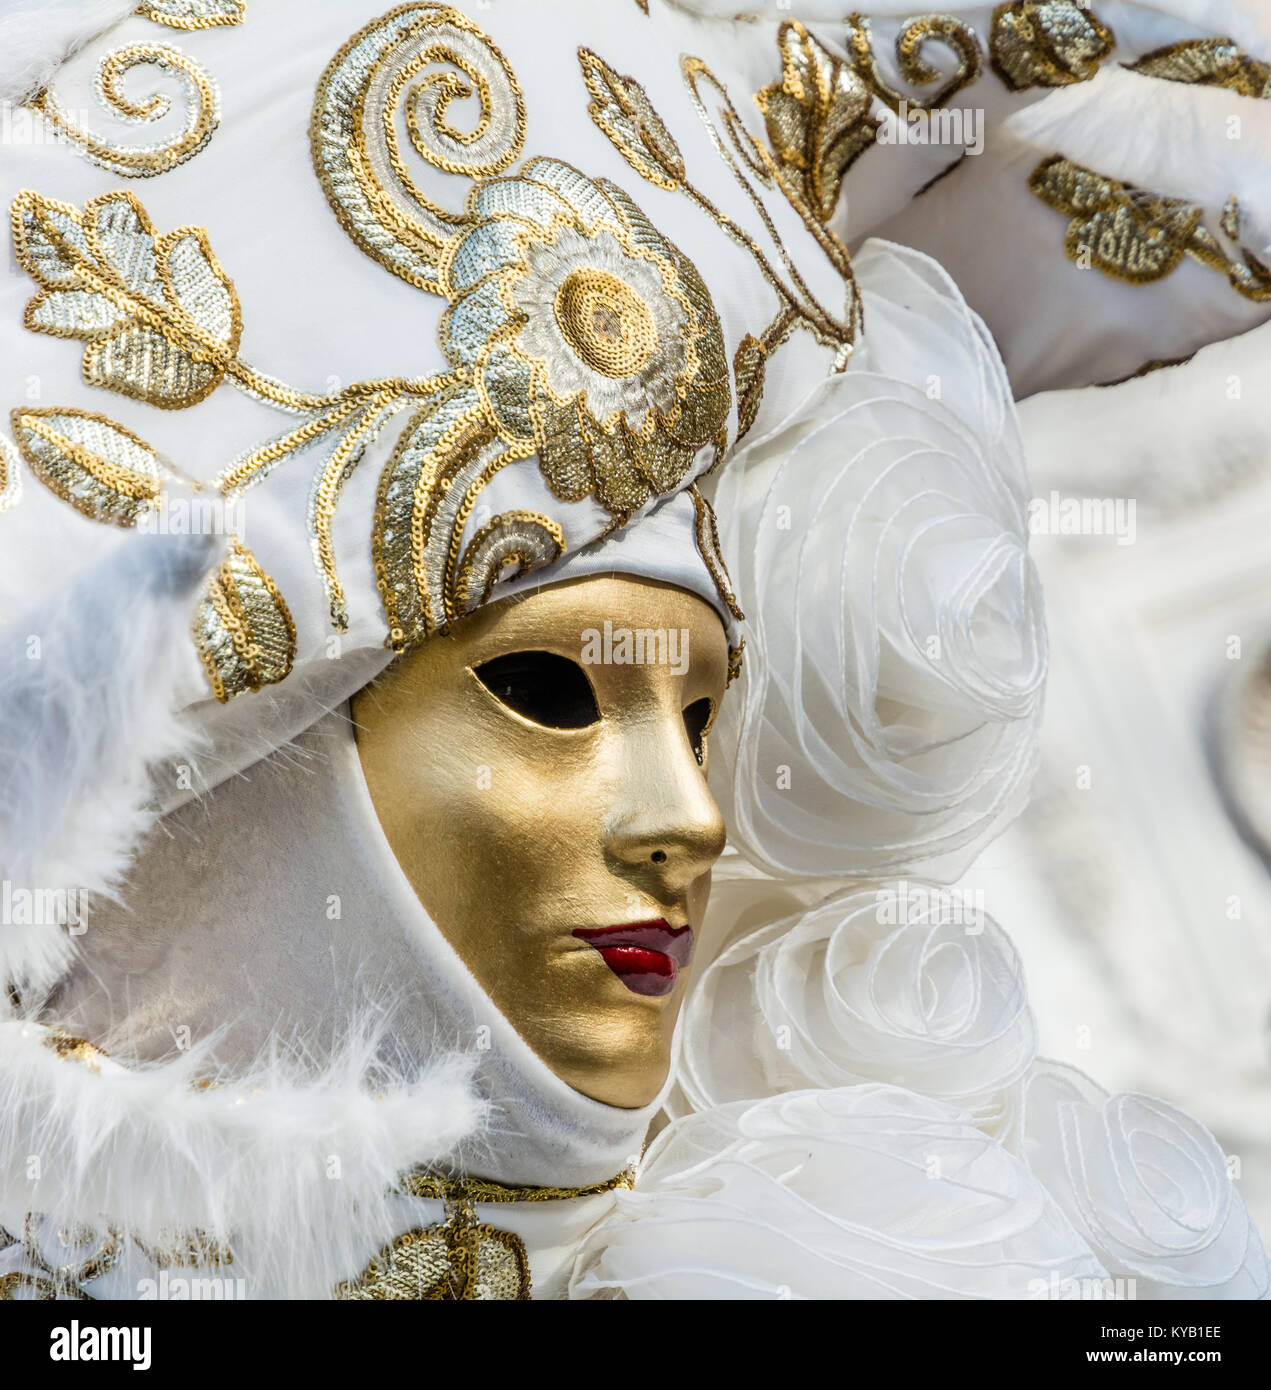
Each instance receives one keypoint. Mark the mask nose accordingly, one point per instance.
(666, 830)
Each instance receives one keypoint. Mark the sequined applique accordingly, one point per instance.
(707, 532)
(577, 334)
(194, 14)
(1136, 236)
(509, 544)
(10, 476)
(74, 1049)
(941, 29)
(818, 116)
(460, 1258)
(1047, 43)
(201, 100)
(159, 316)
(735, 656)
(242, 628)
(620, 107)
(47, 1281)
(749, 371)
(356, 152)
(186, 1250)
(102, 469)
(1217, 62)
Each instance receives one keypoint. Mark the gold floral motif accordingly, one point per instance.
(242, 628)
(1136, 236)
(159, 315)
(914, 68)
(1217, 62)
(194, 14)
(577, 333)
(1047, 43)
(355, 147)
(201, 98)
(818, 116)
(102, 469)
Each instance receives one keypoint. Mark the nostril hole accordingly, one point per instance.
(658, 856)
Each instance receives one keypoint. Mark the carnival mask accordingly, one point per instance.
(540, 774)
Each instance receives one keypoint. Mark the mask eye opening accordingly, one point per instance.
(698, 719)
(543, 687)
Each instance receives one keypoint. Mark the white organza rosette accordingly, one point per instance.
(906, 984)
(864, 1192)
(888, 710)
(1146, 1185)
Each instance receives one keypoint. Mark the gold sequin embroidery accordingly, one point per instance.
(1047, 43)
(1218, 62)
(102, 469)
(242, 628)
(510, 544)
(160, 318)
(707, 532)
(49, 1282)
(459, 1258)
(1135, 236)
(201, 98)
(354, 141)
(914, 68)
(194, 14)
(818, 116)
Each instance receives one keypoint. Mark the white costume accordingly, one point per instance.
(439, 306)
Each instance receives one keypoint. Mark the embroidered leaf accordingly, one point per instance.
(817, 116)
(102, 469)
(159, 315)
(621, 109)
(1047, 43)
(194, 14)
(749, 370)
(243, 629)
(1217, 62)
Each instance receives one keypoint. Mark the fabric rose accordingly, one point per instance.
(888, 711)
(865, 1192)
(1146, 1185)
(908, 984)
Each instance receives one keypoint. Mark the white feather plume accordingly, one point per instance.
(38, 35)
(290, 1167)
(89, 681)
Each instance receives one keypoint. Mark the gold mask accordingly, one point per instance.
(541, 778)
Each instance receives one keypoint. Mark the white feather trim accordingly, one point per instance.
(292, 1169)
(1166, 137)
(89, 679)
(36, 36)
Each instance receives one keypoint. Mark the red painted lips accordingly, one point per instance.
(645, 956)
